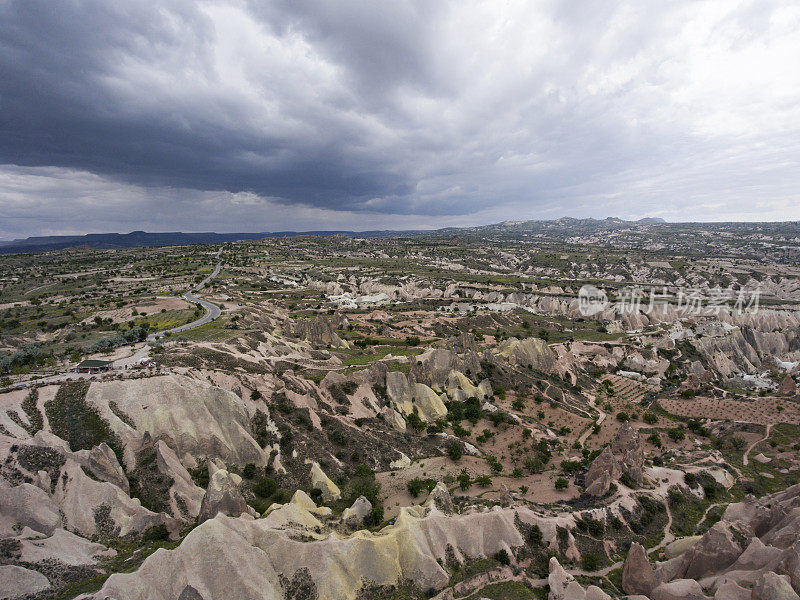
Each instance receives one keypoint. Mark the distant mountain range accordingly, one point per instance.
(137, 239)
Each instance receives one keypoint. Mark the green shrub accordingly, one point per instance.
(265, 487)
(415, 486)
(454, 451)
(375, 517)
(676, 434)
(590, 562)
(464, 481)
(483, 480)
(75, 421)
(249, 471)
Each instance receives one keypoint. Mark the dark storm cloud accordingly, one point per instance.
(59, 107)
(221, 114)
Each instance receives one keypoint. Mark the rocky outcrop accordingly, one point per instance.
(184, 496)
(625, 455)
(716, 550)
(771, 586)
(638, 576)
(433, 367)
(27, 506)
(355, 514)
(532, 353)
(16, 582)
(770, 564)
(400, 463)
(731, 590)
(319, 332)
(255, 559)
(222, 496)
(787, 386)
(394, 419)
(440, 498)
(103, 464)
(680, 589)
(330, 491)
(564, 587)
(399, 392)
(270, 551)
(458, 382)
(627, 446)
(299, 513)
(194, 417)
(63, 546)
(602, 472)
(428, 403)
(101, 508)
(408, 397)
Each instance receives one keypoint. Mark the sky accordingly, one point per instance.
(260, 115)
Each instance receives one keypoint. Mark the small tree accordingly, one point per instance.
(415, 486)
(561, 483)
(464, 480)
(591, 562)
(676, 434)
(483, 480)
(454, 450)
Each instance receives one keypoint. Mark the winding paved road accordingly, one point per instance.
(212, 310)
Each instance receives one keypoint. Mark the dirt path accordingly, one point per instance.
(36, 289)
(600, 418)
(668, 538)
(708, 510)
(745, 458)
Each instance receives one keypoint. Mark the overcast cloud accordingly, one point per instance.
(317, 114)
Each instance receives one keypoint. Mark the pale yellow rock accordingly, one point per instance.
(401, 463)
(458, 381)
(394, 418)
(428, 402)
(244, 559)
(530, 352)
(330, 491)
(680, 546)
(399, 392)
